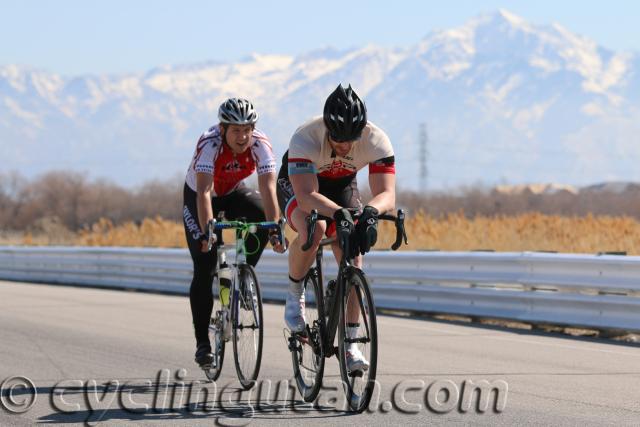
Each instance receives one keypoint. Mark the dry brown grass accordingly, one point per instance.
(155, 232)
(453, 232)
(526, 232)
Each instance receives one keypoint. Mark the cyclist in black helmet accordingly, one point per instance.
(225, 155)
(319, 172)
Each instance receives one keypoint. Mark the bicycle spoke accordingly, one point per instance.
(247, 331)
(215, 337)
(358, 342)
(364, 316)
(308, 365)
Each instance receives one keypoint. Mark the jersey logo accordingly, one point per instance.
(233, 166)
(338, 169)
(300, 166)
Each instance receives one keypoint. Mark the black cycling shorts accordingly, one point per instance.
(343, 192)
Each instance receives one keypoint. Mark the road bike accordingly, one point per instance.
(237, 313)
(327, 315)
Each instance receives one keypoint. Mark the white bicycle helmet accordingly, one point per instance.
(237, 111)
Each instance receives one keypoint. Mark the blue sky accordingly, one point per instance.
(79, 37)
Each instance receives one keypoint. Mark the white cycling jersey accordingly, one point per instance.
(310, 152)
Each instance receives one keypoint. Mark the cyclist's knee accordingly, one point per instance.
(357, 261)
(297, 219)
(201, 277)
(299, 222)
(204, 268)
(321, 228)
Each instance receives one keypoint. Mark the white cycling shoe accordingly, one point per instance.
(294, 313)
(356, 360)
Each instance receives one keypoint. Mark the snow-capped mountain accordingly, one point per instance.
(503, 101)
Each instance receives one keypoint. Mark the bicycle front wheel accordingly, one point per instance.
(248, 326)
(307, 352)
(216, 338)
(358, 341)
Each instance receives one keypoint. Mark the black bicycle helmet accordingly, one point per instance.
(237, 111)
(345, 115)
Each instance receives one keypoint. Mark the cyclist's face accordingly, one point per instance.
(238, 137)
(341, 148)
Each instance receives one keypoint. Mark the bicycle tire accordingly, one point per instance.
(248, 326)
(308, 357)
(215, 336)
(359, 384)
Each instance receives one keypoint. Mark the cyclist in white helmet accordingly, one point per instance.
(319, 172)
(225, 155)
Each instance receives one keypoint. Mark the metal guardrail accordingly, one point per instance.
(596, 291)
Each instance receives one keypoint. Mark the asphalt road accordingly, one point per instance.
(103, 357)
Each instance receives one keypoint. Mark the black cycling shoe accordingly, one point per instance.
(204, 356)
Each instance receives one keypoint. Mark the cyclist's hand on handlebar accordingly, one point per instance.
(204, 242)
(344, 228)
(275, 241)
(344, 221)
(208, 237)
(367, 229)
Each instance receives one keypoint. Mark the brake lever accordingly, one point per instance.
(211, 228)
(282, 222)
(311, 229)
(401, 232)
(401, 216)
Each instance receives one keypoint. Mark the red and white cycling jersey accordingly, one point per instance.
(214, 157)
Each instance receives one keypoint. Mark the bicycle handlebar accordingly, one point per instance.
(214, 226)
(401, 232)
(398, 220)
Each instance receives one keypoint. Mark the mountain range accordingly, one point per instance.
(503, 101)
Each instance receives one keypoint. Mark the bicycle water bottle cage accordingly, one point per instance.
(224, 278)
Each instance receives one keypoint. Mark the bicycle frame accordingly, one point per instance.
(244, 307)
(345, 268)
(330, 329)
(337, 316)
(240, 259)
(240, 255)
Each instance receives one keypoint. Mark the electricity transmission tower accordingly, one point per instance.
(423, 156)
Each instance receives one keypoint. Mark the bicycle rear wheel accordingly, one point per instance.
(358, 341)
(248, 326)
(307, 349)
(216, 336)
